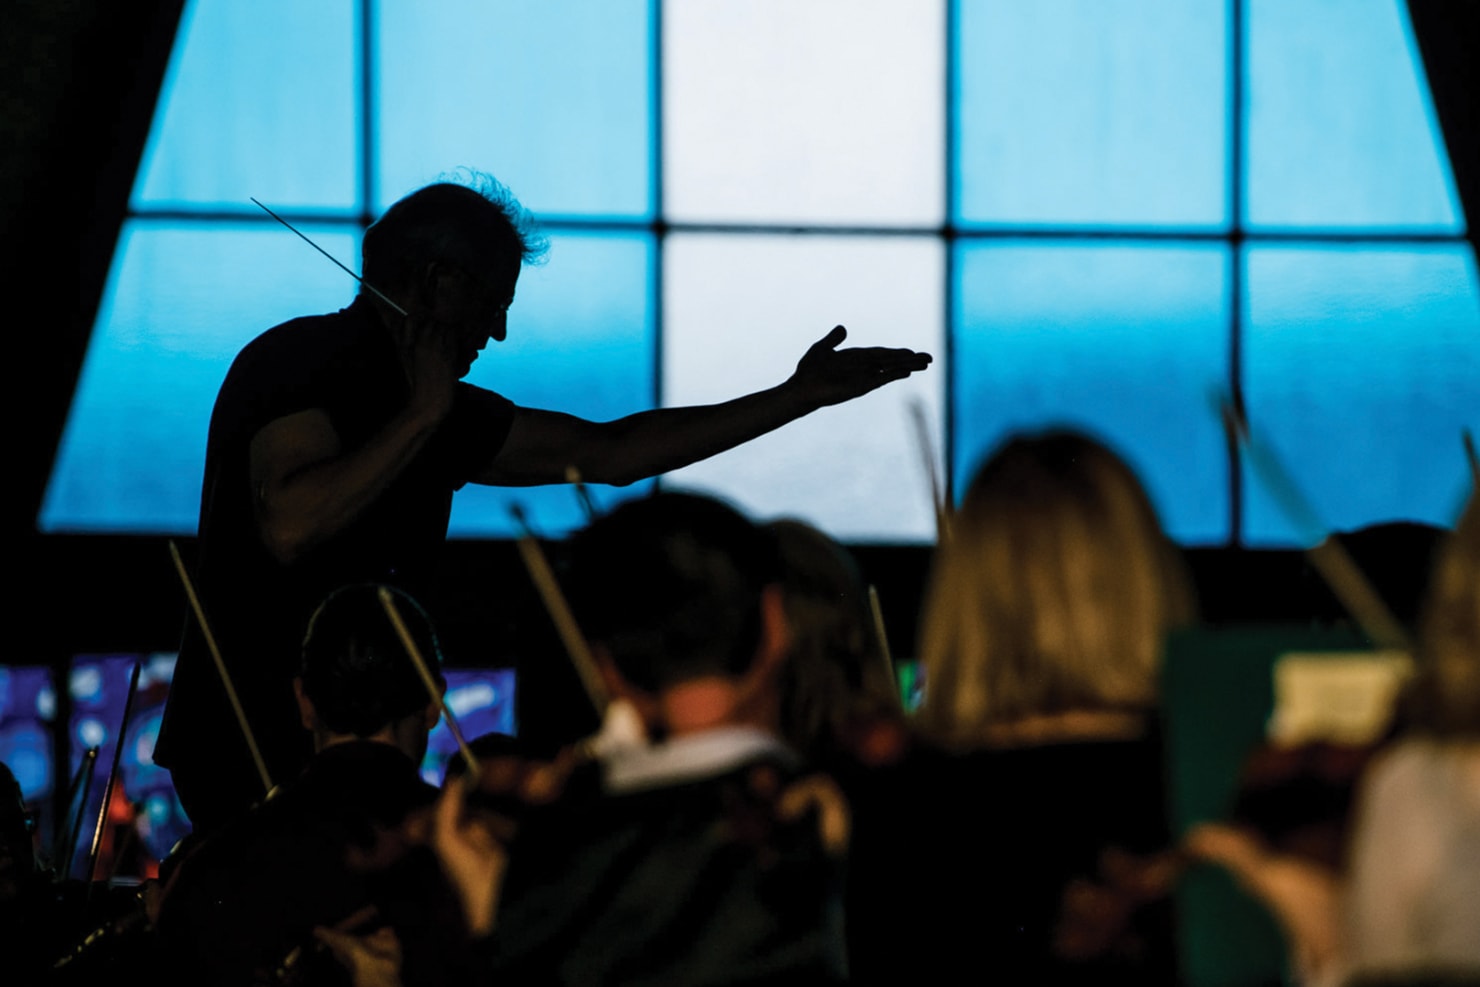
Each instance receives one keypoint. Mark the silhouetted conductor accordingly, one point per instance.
(337, 441)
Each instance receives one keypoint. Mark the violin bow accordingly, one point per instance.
(368, 286)
(920, 422)
(81, 783)
(544, 581)
(388, 603)
(877, 612)
(583, 493)
(1327, 555)
(236, 704)
(1473, 458)
(97, 839)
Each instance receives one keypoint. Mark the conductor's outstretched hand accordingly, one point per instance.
(829, 375)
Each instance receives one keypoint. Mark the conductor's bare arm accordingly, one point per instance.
(543, 445)
(307, 488)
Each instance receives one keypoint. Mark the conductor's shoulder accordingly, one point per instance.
(302, 341)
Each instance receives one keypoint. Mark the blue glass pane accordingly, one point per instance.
(581, 340)
(181, 301)
(1341, 130)
(259, 101)
(1124, 341)
(1362, 366)
(1090, 113)
(552, 98)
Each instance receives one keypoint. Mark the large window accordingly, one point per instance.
(1094, 214)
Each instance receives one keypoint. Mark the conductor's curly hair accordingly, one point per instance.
(466, 218)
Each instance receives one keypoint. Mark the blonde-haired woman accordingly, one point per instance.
(1048, 608)
(840, 706)
(1041, 642)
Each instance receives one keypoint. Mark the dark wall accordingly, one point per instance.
(1448, 34)
(80, 81)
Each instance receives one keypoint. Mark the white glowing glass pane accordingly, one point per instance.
(259, 101)
(1124, 341)
(182, 300)
(829, 111)
(552, 98)
(1082, 112)
(739, 312)
(1342, 132)
(581, 340)
(1362, 369)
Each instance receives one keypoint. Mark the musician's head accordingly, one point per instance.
(1053, 594)
(356, 679)
(452, 251)
(679, 596)
(1444, 697)
(837, 678)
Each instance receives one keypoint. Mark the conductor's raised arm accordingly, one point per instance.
(543, 445)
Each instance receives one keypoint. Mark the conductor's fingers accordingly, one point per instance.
(885, 355)
(832, 340)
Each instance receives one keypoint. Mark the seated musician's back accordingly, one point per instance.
(245, 904)
(693, 855)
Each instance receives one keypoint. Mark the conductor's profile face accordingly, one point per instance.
(473, 308)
